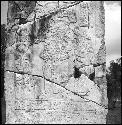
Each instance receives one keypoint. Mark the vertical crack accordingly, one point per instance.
(88, 16)
(43, 69)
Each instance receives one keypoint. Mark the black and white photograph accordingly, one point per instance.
(61, 62)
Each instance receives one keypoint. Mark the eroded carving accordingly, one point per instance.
(56, 56)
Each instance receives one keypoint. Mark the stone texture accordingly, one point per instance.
(44, 49)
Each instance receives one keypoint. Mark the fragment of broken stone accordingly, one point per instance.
(84, 85)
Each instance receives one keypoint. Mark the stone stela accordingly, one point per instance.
(55, 67)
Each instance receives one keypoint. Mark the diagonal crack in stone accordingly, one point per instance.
(81, 96)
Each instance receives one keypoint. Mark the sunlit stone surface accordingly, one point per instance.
(55, 63)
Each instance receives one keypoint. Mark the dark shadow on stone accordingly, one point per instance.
(92, 76)
(22, 20)
(77, 73)
(43, 25)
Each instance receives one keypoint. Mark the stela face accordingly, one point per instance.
(51, 84)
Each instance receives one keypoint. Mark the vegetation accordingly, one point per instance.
(114, 82)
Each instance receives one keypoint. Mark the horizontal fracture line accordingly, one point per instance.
(94, 65)
(81, 96)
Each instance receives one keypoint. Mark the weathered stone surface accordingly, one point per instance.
(82, 14)
(54, 59)
(100, 71)
(19, 9)
(9, 59)
(45, 8)
(57, 106)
